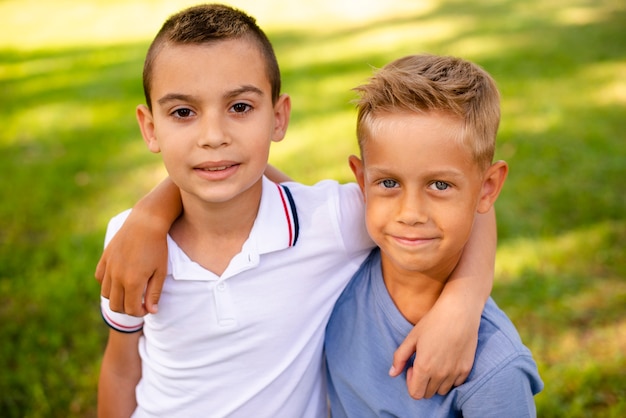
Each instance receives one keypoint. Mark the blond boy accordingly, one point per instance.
(426, 128)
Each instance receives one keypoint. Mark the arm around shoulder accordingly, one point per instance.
(135, 260)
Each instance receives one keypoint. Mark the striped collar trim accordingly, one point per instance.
(291, 214)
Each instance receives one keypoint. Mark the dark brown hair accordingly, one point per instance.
(210, 23)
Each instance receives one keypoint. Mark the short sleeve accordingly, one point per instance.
(507, 393)
(352, 219)
(119, 321)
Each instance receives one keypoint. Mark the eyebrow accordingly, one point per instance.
(443, 173)
(170, 97)
(248, 88)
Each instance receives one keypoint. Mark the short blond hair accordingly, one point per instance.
(425, 83)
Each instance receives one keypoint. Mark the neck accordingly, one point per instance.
(211, 234)
(414, 293)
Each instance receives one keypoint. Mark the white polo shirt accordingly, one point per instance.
(249, 342)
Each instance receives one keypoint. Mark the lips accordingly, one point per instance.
(217, 170)
(412, 241)
(220, 168)
(215, 166)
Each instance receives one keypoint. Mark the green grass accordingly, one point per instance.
(72, 157)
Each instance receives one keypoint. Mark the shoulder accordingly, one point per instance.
(498, 333)
(504, 366)
(498, 340)
(334, 211)
(327, 191)
(361, 281)
(366, 305)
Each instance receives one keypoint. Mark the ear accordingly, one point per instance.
(282, 112)
(492, 185)
(146, 124)
(356, 165)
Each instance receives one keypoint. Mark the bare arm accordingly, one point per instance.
(445, 340)
(136, 258)
(119, 375)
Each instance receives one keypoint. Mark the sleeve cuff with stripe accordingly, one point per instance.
(119, 321)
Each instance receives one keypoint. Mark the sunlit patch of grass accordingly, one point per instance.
(612, 90)
(566, 296)
(581, 14)
(594, 248)
(63, 23)
(319, 163)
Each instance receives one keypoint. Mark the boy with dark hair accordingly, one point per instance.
(253, 267)
(426, 128)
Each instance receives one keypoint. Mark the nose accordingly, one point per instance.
(213, 132)
(413, 209)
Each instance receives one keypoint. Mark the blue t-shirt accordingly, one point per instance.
(366, 328)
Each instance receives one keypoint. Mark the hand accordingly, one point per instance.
(134, 261)
(444, 342)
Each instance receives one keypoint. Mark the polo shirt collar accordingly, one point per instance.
(275, 228)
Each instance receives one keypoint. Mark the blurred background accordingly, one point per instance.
(71, 157)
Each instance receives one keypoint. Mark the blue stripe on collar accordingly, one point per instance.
(289, 206)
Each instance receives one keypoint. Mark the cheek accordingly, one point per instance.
(459, 221)
(376, 214)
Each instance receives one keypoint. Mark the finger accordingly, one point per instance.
(105, 287)
(431, 389)
(153, 291)
(133, 299)
(446, 386)
(461, 378)
(402, 354)
(416, 383)
(100, 270)
(116, 298)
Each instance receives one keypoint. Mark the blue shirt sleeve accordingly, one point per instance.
(508, 392)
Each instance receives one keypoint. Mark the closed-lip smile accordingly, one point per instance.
(412, 240)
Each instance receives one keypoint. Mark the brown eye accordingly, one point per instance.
(182, 113)
(240, 107)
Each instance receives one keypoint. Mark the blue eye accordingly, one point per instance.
(389, 184)
(440, 185)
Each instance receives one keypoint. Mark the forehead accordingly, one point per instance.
(230, 61)
(411, 142)
(410, 128)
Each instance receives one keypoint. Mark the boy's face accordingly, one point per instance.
(422, 190)
(213, 118)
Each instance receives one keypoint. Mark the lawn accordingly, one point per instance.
(72, 157)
